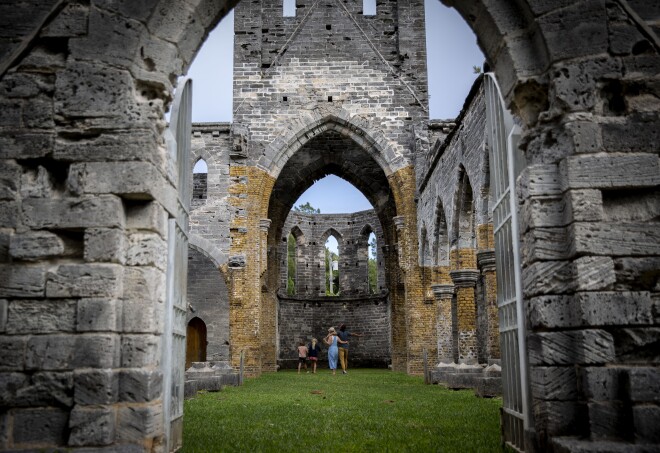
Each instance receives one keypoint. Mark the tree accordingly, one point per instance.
(307, 209)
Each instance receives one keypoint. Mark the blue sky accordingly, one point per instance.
(452, 53)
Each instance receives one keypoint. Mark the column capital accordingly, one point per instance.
(264, 224)
(486, 260)
(465, 278)
(442, 291)
(399, 222)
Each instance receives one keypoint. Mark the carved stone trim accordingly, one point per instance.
(465, 278)
(486, 260)
(264, 224)
(399, 222)
(442, 291)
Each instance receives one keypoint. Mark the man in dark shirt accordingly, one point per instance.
(343, 347)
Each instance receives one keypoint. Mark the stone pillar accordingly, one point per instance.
(486, 263)
(465, 281)
(264, 225)
(444, 294)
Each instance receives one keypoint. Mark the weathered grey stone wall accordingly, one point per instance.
(300, 319)
(328, 60)
(207, 295)
(352, 234)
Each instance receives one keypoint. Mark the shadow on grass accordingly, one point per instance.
(363, 411)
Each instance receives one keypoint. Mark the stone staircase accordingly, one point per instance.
(209, 376)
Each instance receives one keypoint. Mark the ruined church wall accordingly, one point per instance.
(208, 300)
(348, 230)
(300, 320)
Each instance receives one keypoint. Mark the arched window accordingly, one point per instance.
(369, 7)
(200, 182)
(441, 237)
(331, 266)
(464, 231)
(289, 8)
(372, 263)
(291, 264)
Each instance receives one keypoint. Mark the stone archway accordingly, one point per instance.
(84, 91)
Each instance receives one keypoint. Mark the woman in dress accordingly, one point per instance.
(331, 340)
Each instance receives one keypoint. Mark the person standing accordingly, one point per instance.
(302, 356)
(332, 340)
(343, 346)
(314, 349)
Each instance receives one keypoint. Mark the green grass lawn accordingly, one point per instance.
(366, 410)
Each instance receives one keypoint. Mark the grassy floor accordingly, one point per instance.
(364, 411)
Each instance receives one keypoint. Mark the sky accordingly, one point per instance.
(452, 53)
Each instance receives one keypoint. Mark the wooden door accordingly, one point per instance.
(195, 342)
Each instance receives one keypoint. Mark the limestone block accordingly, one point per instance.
(602, 383)
(146, 249)
(635, 345)
(134, 423)
(41, 316)
(32, 145)
(118, 146)
(22, 280)
(10, 113)
(594, 273)
(36, 183)
(38, 112)
(237, 261)
(571, 347)
(140, 180)
(583, 205)
(545, 244)
(63, 352)
(3, 315)
(548, 277)
(92, 426)
(10, 177)
(647, 420)
(554, 383)
(607, 171)
(618, 139)
(40, 426)
(147, 216)
(143, 302)
(138, 10)
(10, 384)
(5, 236)
(140, 351)
(71, 21)
(140, 385)
(557, 418)
(35, 245)
(4, 429)
(44, 389)
(98, 315)
(608, 420)
(85, 280)
(13, 353)
(615, 239)
(105, 245)
(8, 214)
(85, 212)
(615, 308)
(92, 387)
(644, 384)
(637, 273)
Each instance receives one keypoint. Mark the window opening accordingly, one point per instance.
(289, 8)
(291, 254)
(331, 266)
(372, 263)
(369, 7)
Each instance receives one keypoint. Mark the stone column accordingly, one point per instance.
(264, 225)
(444, 294)
(486, 263)
(465, 281)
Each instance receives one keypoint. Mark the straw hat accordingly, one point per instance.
(331, 330)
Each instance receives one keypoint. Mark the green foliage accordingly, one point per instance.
(307, 209)
(364, 411)
(291, 265)
(373, 276)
